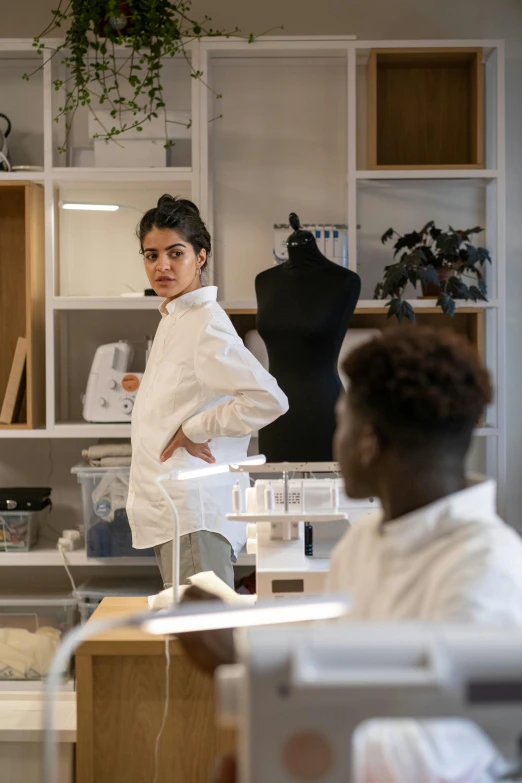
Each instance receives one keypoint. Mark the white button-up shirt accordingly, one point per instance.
(452, 561)
(199, 376)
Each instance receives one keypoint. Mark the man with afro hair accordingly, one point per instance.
(437, 551)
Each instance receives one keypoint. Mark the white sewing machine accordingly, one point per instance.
(111, 388)
(298, 693)
(279, 512)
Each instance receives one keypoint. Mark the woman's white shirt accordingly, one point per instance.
(200, 377)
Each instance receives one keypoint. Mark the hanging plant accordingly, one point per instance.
(446, 264)
(129, 86)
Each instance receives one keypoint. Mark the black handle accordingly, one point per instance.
(6, 118)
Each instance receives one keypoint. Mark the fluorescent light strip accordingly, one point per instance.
(274, 614)
(214, 470)
(91, 207)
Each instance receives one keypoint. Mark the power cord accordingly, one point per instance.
(62, 549)
(165, 711)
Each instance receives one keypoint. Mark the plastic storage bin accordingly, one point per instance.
(104, 497)
(91, 593)
(30, 633)
(18, 530)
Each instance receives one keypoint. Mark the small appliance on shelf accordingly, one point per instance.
(111, 388)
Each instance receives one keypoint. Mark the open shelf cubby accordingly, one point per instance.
(425, 108)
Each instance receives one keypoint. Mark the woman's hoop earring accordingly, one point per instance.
(199, 271)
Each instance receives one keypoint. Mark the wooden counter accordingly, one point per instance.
(120, 703)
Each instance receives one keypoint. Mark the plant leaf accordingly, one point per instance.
(387, 235)
(429, 275)
(427, 228)
(476, 294)
(392, 306)
(457, 289)
(378, 292)
(408, 241)
(406, 311)
(447, 304)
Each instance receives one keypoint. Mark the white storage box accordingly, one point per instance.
(130, 153)
(18, 530)
(104, 498)
(30, 633)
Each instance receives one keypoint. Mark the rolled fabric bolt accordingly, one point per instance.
(236, 498)
(269, 499)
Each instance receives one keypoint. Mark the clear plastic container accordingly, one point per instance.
(30, 633)
(18, 530)
(104, 498)
(91, 593)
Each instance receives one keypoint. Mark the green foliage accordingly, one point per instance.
(113, 52)
(444, 259)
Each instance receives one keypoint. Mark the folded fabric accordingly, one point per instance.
(208, 581)
(107, 450)
(111, 462)
(25, 655)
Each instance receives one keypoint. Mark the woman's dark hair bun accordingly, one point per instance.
(175, 202)
(177, 214)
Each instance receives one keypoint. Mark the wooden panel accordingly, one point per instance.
(371, 107)
(128, 701)
(35, 293)
(85, 725)
(468, 322)
(478, 118)
(425, 108)
(121, 690)
(12, 277)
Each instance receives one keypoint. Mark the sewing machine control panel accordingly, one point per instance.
(111, 389)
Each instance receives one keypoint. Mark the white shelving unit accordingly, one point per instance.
(291, 139)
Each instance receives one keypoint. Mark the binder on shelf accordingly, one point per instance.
(15, 388)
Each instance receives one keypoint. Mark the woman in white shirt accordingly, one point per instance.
(201, 397)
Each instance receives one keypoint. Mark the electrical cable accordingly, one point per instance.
(66, 566)
(165, 711)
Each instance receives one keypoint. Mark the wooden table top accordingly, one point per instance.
(125, 641)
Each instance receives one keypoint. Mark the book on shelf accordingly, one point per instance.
(15, 389)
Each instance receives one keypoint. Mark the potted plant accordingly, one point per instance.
(131, 87)
(446, 264)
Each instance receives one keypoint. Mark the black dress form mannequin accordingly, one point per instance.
(304, 309)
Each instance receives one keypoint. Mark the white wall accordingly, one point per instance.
(399, 19)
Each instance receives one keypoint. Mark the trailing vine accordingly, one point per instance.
(113, 52)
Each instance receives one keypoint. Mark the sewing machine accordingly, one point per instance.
(298, 693)
(281, 512)
(111, 388)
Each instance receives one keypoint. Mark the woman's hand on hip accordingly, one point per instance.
(180, 441)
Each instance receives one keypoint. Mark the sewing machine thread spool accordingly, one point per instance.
(236, 498)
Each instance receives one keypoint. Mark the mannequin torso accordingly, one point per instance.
(304, 309)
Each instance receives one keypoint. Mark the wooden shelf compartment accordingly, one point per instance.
(467, 321)
(22, 295)
(425, 108)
